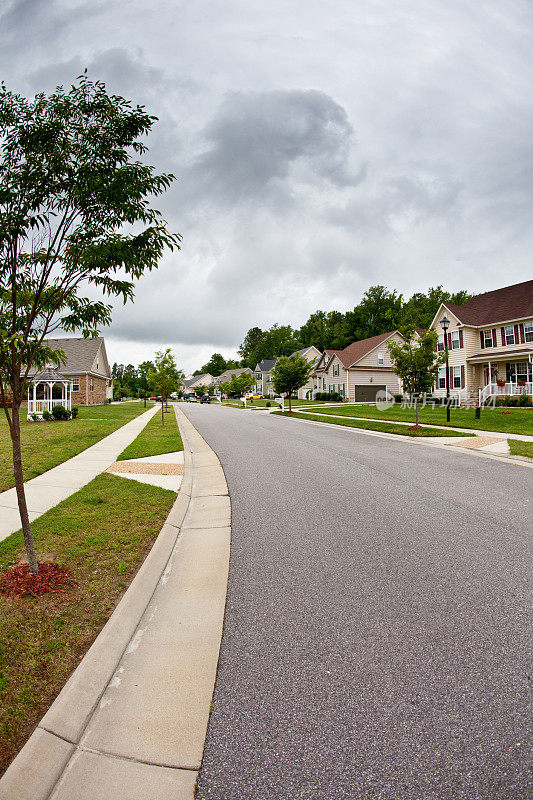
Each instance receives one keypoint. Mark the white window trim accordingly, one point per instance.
(455, 340)
(457, 376)
(509, 334)
(440, 342)
(381, 359)
(528, 324)
(488, 341)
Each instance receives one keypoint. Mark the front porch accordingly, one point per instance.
(505, 378)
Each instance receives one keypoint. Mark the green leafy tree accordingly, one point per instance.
(416, 363)
(420, 309)
(201, 390)
(378, 312)
(143, 371)
(215, 366)
(165, 377)
(290, 374)
(240, 384)
(74, 213)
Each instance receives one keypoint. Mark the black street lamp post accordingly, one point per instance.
(445, 324)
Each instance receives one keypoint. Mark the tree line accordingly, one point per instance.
(379, 311)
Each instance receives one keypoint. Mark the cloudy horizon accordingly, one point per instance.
(318, 150)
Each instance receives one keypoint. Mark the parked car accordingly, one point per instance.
(190, 398)
(255, 396)
(205, 399)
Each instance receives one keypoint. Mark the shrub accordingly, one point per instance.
(398, 398)
(60, 412)
(74, 412)
(524, 401)
(268, 404)
(47, 416)
(34, 417)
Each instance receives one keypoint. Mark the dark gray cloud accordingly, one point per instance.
(258, 139)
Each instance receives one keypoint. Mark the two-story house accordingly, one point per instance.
(311, 355)
(226, 376)
(263, 377)
(490, 344)
(360, 370)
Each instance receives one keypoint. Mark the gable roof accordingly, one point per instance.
(500, 305)
(229, 372)
(355, 351)
(305, 350)
(80, 353)
(266, 365)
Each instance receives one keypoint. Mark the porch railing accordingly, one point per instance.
(511, 389)
(38, 406)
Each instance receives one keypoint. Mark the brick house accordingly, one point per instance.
(490, 344)
(88, 369)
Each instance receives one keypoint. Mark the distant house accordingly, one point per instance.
(263, 377)
(311, 355)
(192, 381)
(490, 344)
(360, 370)
(226, 376)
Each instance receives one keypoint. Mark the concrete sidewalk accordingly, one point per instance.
(131, 722)
(50, 488)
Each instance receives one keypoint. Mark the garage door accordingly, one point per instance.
(367, 394)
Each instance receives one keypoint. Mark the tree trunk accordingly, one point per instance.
(19, 484)
(162, 412)
(416, 410)
(290, 407)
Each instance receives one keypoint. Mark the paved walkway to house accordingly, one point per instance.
(50, 488)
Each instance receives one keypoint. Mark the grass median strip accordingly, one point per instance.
(155, 439)
(515, 420)
(383, 427)
(47, 444)
(102, 535)
(519, 448)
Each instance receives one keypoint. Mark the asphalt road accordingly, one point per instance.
(377, 629)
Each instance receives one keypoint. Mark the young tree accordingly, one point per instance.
(290, 374)
(416, 363)
(165, 377)
(74, 212)
(240, 384)
(201, 390)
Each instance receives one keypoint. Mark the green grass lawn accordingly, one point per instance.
(519, 448)
(516, 420)
(155, 438)
(384, 427)
(47, 444)
(102, 534)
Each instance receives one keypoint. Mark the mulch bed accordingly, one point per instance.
(51, 578)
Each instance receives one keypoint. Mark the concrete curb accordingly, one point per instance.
(64, 757)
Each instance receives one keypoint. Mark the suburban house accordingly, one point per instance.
(191, 381)
(226, 376)
(360, 370)
(263, 377)
(490, 344)
(84, 380)
(311, 355)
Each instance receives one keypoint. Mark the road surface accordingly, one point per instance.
(377, 630)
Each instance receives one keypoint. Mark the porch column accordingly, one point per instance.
(50, 395)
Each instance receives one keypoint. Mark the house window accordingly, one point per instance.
(75, 384)
(487, 338)
(380, 358)
(457, 377)
(442, 378)
(528, 331)
(91, 385)
(456, 343)
(96, 363)
(440, 342)
(335, 370)
(509, 334)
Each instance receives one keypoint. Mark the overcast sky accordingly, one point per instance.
(319, 148)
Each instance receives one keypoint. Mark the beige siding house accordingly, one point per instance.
(490, 344)
(360, 370)
(311, 355)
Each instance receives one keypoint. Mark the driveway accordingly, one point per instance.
(376, 635)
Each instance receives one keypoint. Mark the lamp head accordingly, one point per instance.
(445, 323)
